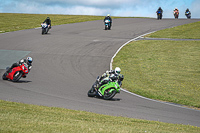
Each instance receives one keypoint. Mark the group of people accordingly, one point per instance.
(29, 60)
(48, 20)
(107, 74)
(175, 12)
(111, 75)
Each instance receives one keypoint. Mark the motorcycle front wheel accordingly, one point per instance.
(17, 76)
(43, 31)
(108, 96)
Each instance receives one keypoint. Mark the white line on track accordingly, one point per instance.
(38, 28)
(135, 39)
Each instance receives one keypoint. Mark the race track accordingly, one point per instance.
(67, 61)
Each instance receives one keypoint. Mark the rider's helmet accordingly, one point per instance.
(107, 72)
(117, 70)
(48, 20)
(108, 15)
(29, 59)
(159, 8)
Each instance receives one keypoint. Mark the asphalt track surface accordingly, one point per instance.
(68, 60)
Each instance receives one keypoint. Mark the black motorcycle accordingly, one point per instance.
(188, 15)
(159, 15)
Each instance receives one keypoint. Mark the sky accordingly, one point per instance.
(123, 8)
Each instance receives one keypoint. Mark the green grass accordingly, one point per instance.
(163, 70)
(24, 118)
(145, 69)
(13, 22)
(187, 31)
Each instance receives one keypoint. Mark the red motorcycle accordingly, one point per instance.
(176, 14)
(16, 73)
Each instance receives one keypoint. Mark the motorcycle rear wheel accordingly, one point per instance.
(47, 29)
(17, 76)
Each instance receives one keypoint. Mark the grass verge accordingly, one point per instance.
(187, 31)
(163, 70)
(17, 117)
(14, 21)
(23, 118)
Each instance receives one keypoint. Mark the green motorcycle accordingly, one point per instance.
(108, 90)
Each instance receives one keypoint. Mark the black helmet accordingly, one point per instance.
(48, 18)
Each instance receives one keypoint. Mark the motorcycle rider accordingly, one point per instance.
(111, 75)
(27, 61)
(108, 18)
(48, 22)
(187, 10)
(161, 12)
(176, 11)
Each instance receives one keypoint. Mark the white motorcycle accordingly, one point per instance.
(107, 25)
(45, 28)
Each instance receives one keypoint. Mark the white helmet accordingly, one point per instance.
(108, 14)
(29, 59)
(117, 70)
(107, 72)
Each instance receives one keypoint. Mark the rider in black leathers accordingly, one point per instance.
(161, 12)
(108, 18)
(187, 10)
(48, 22)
